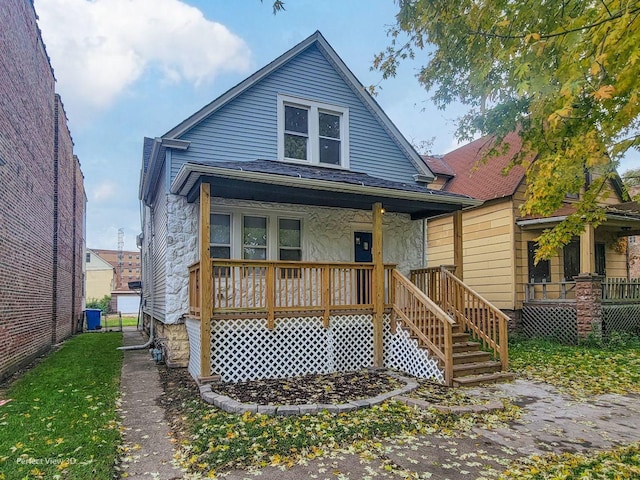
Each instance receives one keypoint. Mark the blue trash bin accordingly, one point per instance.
(93, 318)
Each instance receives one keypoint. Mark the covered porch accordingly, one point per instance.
(585, 290)
(268, 318)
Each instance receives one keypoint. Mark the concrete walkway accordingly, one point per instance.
(148, 449)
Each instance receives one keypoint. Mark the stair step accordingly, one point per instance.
(465, 347)
(471, 357)
(473, 380)
(476, 368)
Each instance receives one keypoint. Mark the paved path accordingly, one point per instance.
(145, 431)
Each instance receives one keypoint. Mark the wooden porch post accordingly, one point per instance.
(587, 251)
(206, 281)
(457, 243)
(378, 283)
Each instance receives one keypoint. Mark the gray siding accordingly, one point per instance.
(155, 261)
(246, 128)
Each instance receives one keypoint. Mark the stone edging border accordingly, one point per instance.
(230, 405)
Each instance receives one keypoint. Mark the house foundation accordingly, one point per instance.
(174, 340)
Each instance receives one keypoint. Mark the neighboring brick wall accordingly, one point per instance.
(64, 165)
(28, 300)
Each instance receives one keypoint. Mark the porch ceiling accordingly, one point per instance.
(312, 186)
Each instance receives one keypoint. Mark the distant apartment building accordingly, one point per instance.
(42, 199)
(127, 265)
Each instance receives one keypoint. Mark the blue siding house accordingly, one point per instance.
(280, 223)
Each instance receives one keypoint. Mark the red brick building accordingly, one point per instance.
(42, 199)
(127, 268)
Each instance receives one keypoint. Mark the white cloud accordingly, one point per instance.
(104, 191)
(99, 48)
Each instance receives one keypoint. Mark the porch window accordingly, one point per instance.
(220, 236)
(289, 240)
(254, 238)
(312, 132)
(540, 272)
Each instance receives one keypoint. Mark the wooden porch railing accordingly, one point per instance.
(621, 290)
(282, 288)
(194, 290)
(550, 292)
(425, 320)
(428, 281)
(484, 322)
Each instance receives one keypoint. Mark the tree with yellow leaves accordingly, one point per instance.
(564, 74)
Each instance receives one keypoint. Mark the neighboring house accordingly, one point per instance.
(100, 276)
(499, 244)
(127, 263)
(42, 199)
(267, 217)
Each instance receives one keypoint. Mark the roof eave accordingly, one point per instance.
(178, 185)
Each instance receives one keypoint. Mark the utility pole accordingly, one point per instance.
(120, 257)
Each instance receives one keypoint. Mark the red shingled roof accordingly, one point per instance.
(437, 165)
(483, 180)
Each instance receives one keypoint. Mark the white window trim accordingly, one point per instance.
(313, 151)
(273, 217)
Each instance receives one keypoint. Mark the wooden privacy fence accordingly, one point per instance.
(621, 290)
(425, 320)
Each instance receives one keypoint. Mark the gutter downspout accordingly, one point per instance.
(150, 283)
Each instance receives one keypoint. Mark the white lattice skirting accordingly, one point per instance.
(245, 349)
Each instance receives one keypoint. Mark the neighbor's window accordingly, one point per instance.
(571, 254)
(540, 272)
(220, 236)
(601, 264)
(87, 258)
(254, 238)
(312, 132)
(289, 240)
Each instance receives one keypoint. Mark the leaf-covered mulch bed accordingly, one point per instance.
(330, 388)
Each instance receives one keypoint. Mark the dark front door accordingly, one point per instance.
(362, 253)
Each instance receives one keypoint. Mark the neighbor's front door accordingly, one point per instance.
(362, 253)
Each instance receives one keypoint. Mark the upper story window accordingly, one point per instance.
(312, 132)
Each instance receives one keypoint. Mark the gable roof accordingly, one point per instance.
(484, 180)
(342, 69)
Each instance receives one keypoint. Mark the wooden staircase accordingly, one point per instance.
(457, 326)
(472, 366)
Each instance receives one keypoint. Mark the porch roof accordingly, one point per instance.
(272, 181)
(623, 216)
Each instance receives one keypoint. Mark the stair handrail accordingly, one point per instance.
(425, 320)
(466, 305)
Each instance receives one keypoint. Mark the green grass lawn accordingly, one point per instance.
(112, 321)
(61, 421)
(582, 370)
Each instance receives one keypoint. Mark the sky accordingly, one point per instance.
(127, 69)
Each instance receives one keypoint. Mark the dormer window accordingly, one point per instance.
(312, 132)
